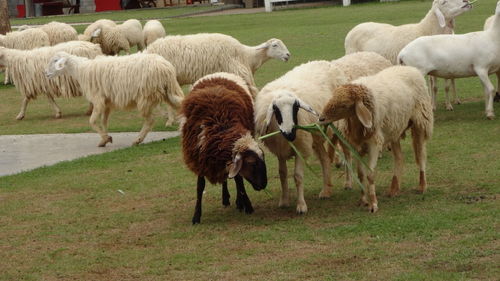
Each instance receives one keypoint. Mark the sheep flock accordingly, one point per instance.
(373, 95)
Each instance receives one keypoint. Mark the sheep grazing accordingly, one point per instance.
(217, 140)
(26, 69)
(139, 81)
(153, 30)
(195, 56)
(59, 32)
(87, 33)
(376, 111)
(113, 39)
(457, 56)
(387, 40)
(308, 86)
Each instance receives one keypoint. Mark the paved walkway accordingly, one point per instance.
(20, 153)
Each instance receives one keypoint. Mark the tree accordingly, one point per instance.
(4, 17)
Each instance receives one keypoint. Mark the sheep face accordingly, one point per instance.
(248, 161)
(448, 9)
(57, 65)
(276, 49)
(285, 108)
(347, 101)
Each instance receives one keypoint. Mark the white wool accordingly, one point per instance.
(115, 38)
(132, 29)
(153, 29)
(229, 76)
(59, 32)
(313, 84)
(93, 26)
(25, 40)
(488, 23)
(387, 40)
(26, 69)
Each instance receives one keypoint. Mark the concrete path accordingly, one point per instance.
(20, 153)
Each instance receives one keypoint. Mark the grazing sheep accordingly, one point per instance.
(387, 40)
(113, 39)
(26, 69)
(197, 55)
(457, 56)
(377, 110)
(217, 140)
(308, 86)
(139, 81)
(87, 33)
(59, 32)
(153, 30)
(24, 40)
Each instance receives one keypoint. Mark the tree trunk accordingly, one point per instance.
(4, 17)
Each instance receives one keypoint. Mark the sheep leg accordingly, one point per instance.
(433, 90)
(398, 166)
(225, 195)
(89, 109)
(24, 104)
(6, 78)
(418, 141)
(283, 171)
(96, 113)
(321, 153)
(146, 126)
(497, 95)
(363, 201)
(171, 118)
(456, 99)
(447, 83)
(55, 106)
(373, 152)
(348, 174)
(488, 92)
(200, 187)
(242, 196)
(298, 177)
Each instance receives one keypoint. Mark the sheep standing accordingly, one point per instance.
(153, 30)
(26, 69)
(59, 32)
(377, 110)
(139, 81)
(308, 86)
(457, 56)
(87, 33)
(217, 140)
(197, 55)
(387, 40)
(113, 39)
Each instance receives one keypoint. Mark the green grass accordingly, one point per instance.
(55, 227)
(141, 14)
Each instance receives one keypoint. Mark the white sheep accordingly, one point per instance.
(197, 55)
(153, 29)
(308, 86)
(387, 40)
(59, 32)
(24, 40)
(113, 39)
(26, 69)
(87, 33)
(377, 110)
(139, 81)
(457, 56)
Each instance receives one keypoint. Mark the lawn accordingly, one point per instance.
(54, 227)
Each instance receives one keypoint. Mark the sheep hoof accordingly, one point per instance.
(58, 115)
(249, 209)
(196, 220)
(283, 203)
(325, 194)
(239, 205)
(169, 123)
(490, 117)
(373, 208)
(20, 117)
(137, 142)
(449, 107)
(105, 141)
(392, 193)
(458, 102)
(301, 209)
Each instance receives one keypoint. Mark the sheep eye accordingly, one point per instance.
(275, 45)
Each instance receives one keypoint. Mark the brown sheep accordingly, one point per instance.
(217, 140)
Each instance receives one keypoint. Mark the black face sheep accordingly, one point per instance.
(376, 111)
(217, 143)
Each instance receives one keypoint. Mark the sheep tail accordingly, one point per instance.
(174, 95)
(424, 120)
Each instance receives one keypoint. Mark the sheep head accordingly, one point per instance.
(347, 101)
(446, 10)
(248, 161)
(285, 107)
(275, 49)
(57, 65)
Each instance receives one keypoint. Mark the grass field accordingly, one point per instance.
(69, 222)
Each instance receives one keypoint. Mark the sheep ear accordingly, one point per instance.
(235, 167)
(440, 17)
(59, 64)
(264, 45)
(364, 115)
(96, 33)
(306, 107)
(269, 115)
